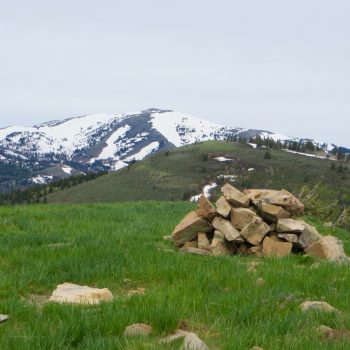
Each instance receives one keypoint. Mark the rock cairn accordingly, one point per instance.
(254, 222)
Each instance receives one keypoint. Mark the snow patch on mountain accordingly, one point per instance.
(151, 148)
(67, 169)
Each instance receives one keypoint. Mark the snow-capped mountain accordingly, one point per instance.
(106, 141)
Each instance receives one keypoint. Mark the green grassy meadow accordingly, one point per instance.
(120, 247)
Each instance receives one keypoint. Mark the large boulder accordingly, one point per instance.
(76, 294)
(225, 226)
(223, 207)
(189, 227)
(271, 247)
(308, 236)
(281, 198)
(234, 196)
(241, 217)
(272, 213)
(329, 248)
(255, 231)
(205, 208)
(290, 225)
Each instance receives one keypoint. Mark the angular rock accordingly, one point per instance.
(308, 236)
(290, 225)
(234, 196)
(255, 231)
(203, 241)
(4, 318)
(204, 208)
(225, 226)
(317, 306)
(191, 340)
(196, 251)
(289, 237)
(189, 227)
(137, 329)
(272, 212)
(243, 249)
(329, 248)
(223, 207)
(220, 247)
(76, 294)
(257, 251)
(275, 248)
(191, 244)
(281, 198)
(241, 217)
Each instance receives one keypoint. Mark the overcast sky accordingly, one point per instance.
(278, 65)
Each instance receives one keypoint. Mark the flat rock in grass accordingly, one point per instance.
(308, 236)
(76, 294)
(234, 196)
(204, 208)
(137, 329)
(4, 318)
(189, 227)
(290, 225)
(317, 306)
(195, 251)
(272, 212)
(226, 228)
(272, 247)
(281, 198)
(255, 231)
(329, 248)
(289, 237)
(241, 217)
(191, 340)
(203, 241)
(223, 207)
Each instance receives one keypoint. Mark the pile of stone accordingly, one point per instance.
(253, 222)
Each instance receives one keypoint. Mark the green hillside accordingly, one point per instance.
(120, 247)
(183, 172)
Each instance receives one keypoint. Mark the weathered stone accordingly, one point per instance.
(74, 293)
(220, 247)
(226, 228)
(191, 244)
(241, 217)
(4, 318)
(137, 329)
(290, 225)
(196, 251)
(329, 248)
(234, 196)
(255, 231)
(289, 237)
(257, 251)
(191, 340)
(204, 208)
(281, 198)
(203, 241)
(273, 213)
(189, 227)
(308, 236)
(316, 306)
(275, 248)
(243, 249)
(223, 207)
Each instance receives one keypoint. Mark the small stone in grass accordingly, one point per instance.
(4, 318)
(137, 329)
(317, 306)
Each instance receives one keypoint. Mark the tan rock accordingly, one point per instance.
(243, 249)
(329, 248)
(191, 340)
(195, 251)
(290, 225)
(316, 306)
(274, 248)
(234, 196)
(203, 241)
(255, 231)
(137, 329)
(223, 207)
(241, 217)
(225, 226)
(74, 293)
(191, 244)
(4, 318)
(221, 247)
(257, 251)
(281, 198)
(205, 208)
(289, 237)
(308, 236)
(272, 212)
(189, 227)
